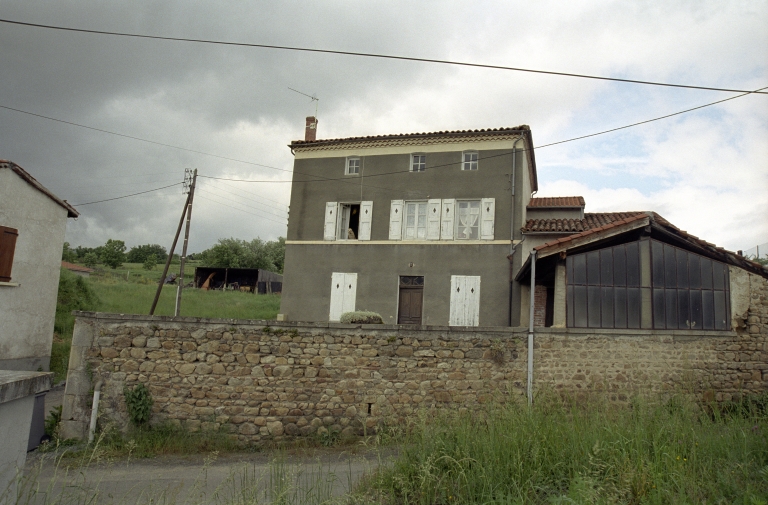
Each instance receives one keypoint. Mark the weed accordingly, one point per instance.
(139, 403)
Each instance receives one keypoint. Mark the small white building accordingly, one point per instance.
(32, 225)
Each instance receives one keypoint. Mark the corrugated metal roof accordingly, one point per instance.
(556, 202)
(71, 212)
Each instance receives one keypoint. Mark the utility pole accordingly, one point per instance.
(170, 257)
(186, 242)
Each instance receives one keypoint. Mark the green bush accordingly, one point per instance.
(74, 294)
(139, 403)
(361, 317)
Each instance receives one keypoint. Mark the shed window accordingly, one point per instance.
(7, 248)
(646, 284)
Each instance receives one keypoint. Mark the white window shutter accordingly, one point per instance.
(350, 292)
(434, 212)
(396, 220)
(366, 214)
(331, 209)
(458, 283)
(446, 230)
(472, 301)
(487, 213)
(337, 296)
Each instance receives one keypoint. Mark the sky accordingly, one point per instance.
(705, 171)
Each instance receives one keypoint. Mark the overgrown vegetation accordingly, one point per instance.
(361, 317)
(74, 294)
(555, 453)
(139, 402)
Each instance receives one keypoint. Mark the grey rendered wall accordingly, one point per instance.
(27, 311)
(443, 178)
(307, 282)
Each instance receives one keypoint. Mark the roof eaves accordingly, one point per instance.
(71, 211)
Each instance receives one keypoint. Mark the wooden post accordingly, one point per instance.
(170, 257)
(184, 247)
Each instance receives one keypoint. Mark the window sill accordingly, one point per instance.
(10, 284)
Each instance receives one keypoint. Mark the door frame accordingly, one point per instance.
(397, 297)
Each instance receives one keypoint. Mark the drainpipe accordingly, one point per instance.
(512, 207)
(530, 328)
(94, 410)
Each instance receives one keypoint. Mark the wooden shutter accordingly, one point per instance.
(329, 232)
(366, 214)
(434, 211)
(472, 301)
(7, 248)
(458, 285)
(396, 220)
(487, 213)
(350, 292)
(446, 230)
(337, 296)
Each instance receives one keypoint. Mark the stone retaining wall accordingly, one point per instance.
(272, 380)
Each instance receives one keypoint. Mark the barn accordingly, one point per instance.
(253, 280)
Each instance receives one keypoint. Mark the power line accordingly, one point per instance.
(534, 148)
(139, 138)
(282, 215)
(375, 55)
(241, 210)
(126, 196)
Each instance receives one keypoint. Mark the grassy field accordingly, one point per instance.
(671, 452)
(131, 289)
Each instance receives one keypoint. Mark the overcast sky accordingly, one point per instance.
(705, 171)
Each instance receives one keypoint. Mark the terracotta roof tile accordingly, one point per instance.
(556, 201)
(402, 136)
(75, 268)
(591, 221)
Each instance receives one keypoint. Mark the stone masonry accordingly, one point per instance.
(272, 380)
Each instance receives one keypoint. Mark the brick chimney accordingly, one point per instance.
(310, 131)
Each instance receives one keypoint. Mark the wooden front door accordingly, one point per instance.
(411, 300)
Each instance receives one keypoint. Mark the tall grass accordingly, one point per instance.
(674, 452)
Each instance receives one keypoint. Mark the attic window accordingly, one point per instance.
(7, 248)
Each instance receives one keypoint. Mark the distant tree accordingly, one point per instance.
(90, 260)
(237, 253)
(140, 253)
(68, 254)
(150, 262)
(113, 253)
(276, 253)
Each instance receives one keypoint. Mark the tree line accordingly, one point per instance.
(227, 253)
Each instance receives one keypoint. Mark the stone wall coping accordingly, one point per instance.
(517, 331)
(16, 384)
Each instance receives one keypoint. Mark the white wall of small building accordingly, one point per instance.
(27, 311)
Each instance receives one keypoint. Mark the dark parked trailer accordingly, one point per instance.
(252, 280)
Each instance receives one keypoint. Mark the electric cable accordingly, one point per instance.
(126, 196)
(374, 55)
(241, 210)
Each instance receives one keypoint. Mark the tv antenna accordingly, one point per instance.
(312, 97)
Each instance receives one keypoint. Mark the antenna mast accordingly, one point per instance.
(312, 97)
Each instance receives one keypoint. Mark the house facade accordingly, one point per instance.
(32, 225)
(417, 227)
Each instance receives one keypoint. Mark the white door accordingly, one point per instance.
(465, 300)
(343, 294)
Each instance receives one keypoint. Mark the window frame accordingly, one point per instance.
(348, 165)
(467, 165)
(421, 163)
(476, 226)
(418, 204)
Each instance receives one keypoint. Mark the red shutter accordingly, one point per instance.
(7, 248)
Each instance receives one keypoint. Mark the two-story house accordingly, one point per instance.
(417, 227)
